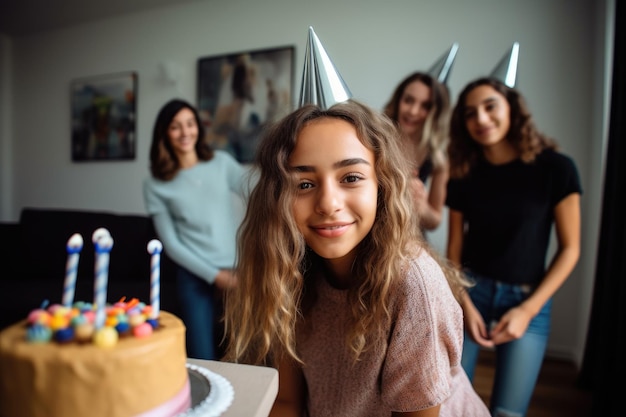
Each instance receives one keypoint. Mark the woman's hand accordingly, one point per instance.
(511, 326)
(226, 279)
(475, 325)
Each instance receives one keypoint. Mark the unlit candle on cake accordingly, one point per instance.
(103, 245)
(74, 246)
(154, 248)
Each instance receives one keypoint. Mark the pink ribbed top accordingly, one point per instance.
(416, 364)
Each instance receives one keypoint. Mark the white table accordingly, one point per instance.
(255, 387)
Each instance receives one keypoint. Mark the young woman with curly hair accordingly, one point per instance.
(508, 187)
(337, 288)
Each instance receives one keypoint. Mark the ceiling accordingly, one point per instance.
(25, 17)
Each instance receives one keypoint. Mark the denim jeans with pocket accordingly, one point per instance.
(517, 362)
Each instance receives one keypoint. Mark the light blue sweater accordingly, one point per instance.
(194, 214)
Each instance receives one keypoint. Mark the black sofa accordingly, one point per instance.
(33, 258)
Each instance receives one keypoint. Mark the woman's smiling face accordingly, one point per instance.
(487, 115)
(337, 195)
(182, 132)
(414, 107)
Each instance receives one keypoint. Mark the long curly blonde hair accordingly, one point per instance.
(274, 266)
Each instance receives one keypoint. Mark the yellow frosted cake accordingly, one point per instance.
(137, 376)
(94, 359)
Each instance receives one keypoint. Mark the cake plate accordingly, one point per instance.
(211, 393)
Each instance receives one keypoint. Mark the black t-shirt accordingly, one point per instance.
(425, 170)
(508, 212)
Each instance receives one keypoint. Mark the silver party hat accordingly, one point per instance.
(321, 82)
(441, 69)
(506, 70)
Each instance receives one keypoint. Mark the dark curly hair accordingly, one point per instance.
(463, 151)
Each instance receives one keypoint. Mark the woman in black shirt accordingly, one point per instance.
(508, 185)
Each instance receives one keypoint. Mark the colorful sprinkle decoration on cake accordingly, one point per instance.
(99, 322)
(76, 324)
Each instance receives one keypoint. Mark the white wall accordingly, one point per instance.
(373, 44)
(6, 146)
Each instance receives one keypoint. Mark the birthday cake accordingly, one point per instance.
(139, 376)
(95, 359)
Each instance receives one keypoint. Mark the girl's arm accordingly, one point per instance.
(166, 231)
(432, 211)
(567, 227)
(455, 237)
(291, 390)
(474, 323)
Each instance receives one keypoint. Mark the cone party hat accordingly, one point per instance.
(441, 69)
(321, 82)
(506, 70)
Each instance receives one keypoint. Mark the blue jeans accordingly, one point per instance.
(517, 362)
(198, 313)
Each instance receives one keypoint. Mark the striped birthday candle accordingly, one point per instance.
(74, 246)
(154, 248)
(103, 246)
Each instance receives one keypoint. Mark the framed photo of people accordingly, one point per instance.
(103, 117)
(239, 93)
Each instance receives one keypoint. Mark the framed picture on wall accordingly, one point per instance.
(239, 93)
(104, 110)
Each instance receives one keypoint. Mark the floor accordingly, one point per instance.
(556, 394)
